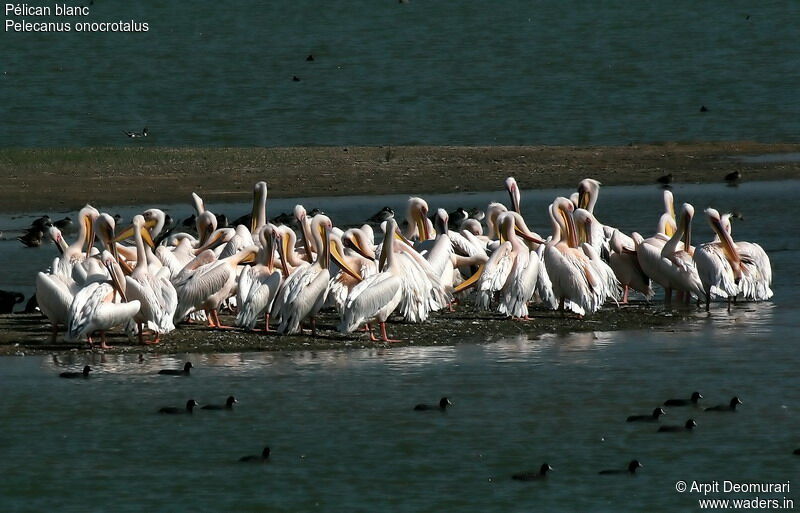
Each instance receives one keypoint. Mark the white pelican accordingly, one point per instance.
(375, 298)
(419, 226)
(718, 263)
(355, 256)
(206, 282)
(157, 296)
(756, 269)
(626, 267)
(258, 217)
(574, 280)
(677, 264)
(303, 296)
(93, 308)
(258, 285)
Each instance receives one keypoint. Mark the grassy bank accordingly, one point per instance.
(50, 180)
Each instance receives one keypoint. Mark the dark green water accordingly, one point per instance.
(344, 437)
(426, 72)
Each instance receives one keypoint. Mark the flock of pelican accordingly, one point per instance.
(149, 281)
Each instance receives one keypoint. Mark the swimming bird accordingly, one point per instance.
(172, 410)
(726, 407)
(71, 374)
(665, 179)
(444, 402)
(694, 399)
(631, 469)
(227, 406)
(688, 426)
(134, 135)
(175, 372)
(653, 417)
(533, 476)
(262, 458)
(797, 452)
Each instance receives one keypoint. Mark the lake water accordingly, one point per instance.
(341, 426)
(425, 72)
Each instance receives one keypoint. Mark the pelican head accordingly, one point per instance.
(440, 220)
(492, 211)
(418, 213)
(513, 192)
(206, 225)
(356, 240)
(104, 226)
(473, 226)
(588, 190)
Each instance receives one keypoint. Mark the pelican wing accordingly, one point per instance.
(376, 296)
(198, 286)
(54, 298)
(260, 296)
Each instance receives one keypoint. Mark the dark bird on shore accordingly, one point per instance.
(653, 417)
(696, 396)
(444, 402)
(533, 476)
(631, 469)
(175, 372)
(227, 406)
(32, 238)
(71, 374)
(172, 410)
(262, 458)
(456, 217)
(190, 221)
(381, 216)
(222, 221)
(295, 78)
(32, 306)
(477, 214)
(8, 300)
(243, 220)
(731, 406)
(134, 135)
(310, 58)
(688, 426)
(703, 108)
(315, 212)
(665, 179)
(64, 224)
(733, 177)
(283, 218)
(41, 223)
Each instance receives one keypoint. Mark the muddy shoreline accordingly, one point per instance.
(51, 179)
(27, 334)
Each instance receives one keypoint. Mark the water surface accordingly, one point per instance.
(340, 424)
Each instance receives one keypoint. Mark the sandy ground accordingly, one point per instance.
(49, 180)
(25, 334)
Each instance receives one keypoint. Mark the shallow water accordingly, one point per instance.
(340, 423)
(424, 72)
